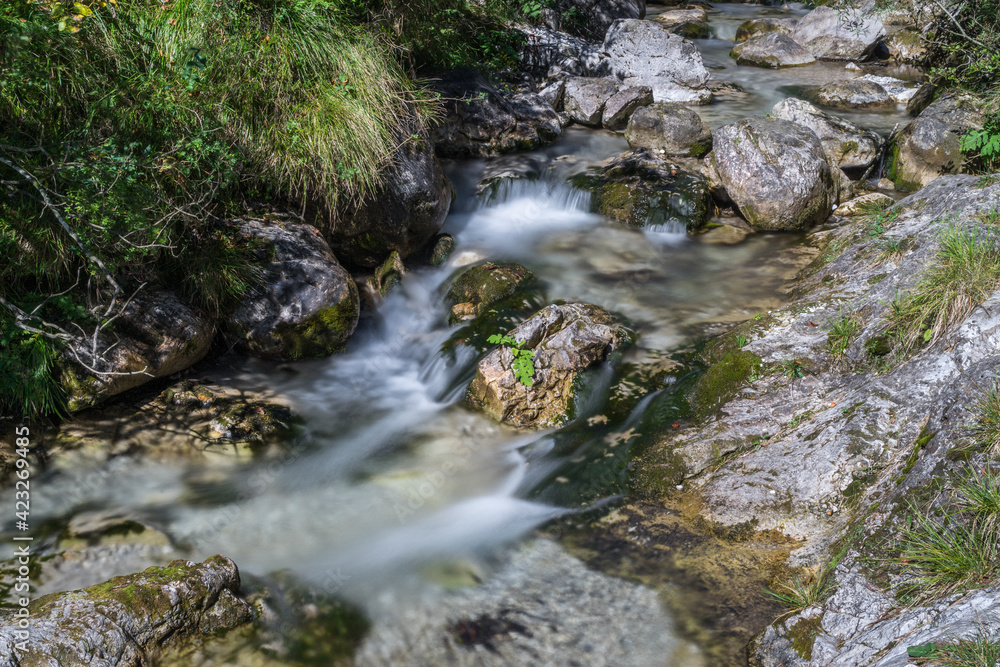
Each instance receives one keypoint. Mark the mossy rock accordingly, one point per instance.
(641, 191)
(723, 380)
(485, 284)
(322, 335)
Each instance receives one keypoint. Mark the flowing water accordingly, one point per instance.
(394, 472)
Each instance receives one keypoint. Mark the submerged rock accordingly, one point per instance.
(830, 34)
(643, 190)
(306, 305)
(126, 619)
(566, 340)
(930, 145)
(479, 120)
(644, 53)
(477, 287)
(857, 93)
(776, 172)
(773, 49)
(156, 335)
(671, 129)
(846, 145)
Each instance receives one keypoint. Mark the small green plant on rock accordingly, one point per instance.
(985, 426)
(815, 586)
(524, 360)
(842, 330)
(981, 651)
(793, 368)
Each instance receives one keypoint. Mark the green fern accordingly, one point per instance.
(524, 360)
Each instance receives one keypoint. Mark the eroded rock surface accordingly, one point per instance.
(846, 145)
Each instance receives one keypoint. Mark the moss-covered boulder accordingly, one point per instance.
(762, 26)
(479, 286)
(307, 304)
(930, 145)
(385, 277)
(126, 619)
(154, 336)
(643, 190)
(566, 340)
(691, 23)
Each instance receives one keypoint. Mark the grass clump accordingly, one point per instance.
(965, 273)
(960, 551)
(842, 330)
(985, 425)
(815, 586)
(981, 651)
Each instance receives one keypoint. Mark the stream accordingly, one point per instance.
(395, 479)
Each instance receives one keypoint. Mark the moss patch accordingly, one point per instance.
(323, 334)
(803, 635)
(723, 380)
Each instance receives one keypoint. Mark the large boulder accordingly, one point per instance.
(669, 128)
(857, 93)
(776, 172)
(691, 23)
(647, 54)
(906, 46)
(774, 49)
(585, 98)
(850, 34)
(566, 339)
(930, 145)
(762, 26)
(154, 335)
(307, 304)
(403, 215)
(846, 145)
(546, 50)
(479, 120)
(644, 190)
(125, 620)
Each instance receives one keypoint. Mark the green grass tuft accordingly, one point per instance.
(985, 426)
(842, 330)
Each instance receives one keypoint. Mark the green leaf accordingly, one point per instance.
(921, 651)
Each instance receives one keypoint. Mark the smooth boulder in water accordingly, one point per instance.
(306, 305)
(930, 145)
(776, 172)
(647, 54)
(846, 145)
(761, 26)
(641, 189)
(691, 23)
(829, 34)
(857, 93)
(566, 340)
(669, 128)
(771, 50)
(478, 286)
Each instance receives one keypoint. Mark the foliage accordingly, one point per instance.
(524, 360)
(842, 330)
(985, 426)
(965, 273)
(980, 651)
(27, 384)
(960, 551)
(812, 588)
(792, 369)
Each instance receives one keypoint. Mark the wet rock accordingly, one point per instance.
(857, 93)
(566, 340)
(546, 50)
(906, 46)
(691, 23)
(644, 53)
(776, 172)
(620, 107)
(442, 249)
(885, 184)
(900, 91)
(863, 204)
(671, 129)
(762, 26)
(477, 287)
(188, 419)
(774, 49)
(929, 146)
(727, 90)
(644, 190)
(385, 278)
(403, 215)
(585, 98)
(845, 144)
(479, 120)
(830, 34)
(156, 335)
(306, 305)
(126, 619)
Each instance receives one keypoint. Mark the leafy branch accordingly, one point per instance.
(524, 360)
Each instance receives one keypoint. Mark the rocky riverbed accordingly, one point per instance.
(710, 228)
